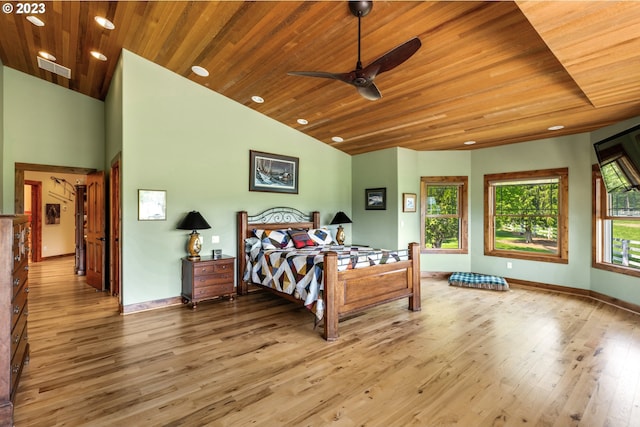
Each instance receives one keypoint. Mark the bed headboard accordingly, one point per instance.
(270, 219)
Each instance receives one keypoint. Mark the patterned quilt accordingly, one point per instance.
(299, 272)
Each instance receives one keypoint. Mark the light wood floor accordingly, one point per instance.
(469, 358)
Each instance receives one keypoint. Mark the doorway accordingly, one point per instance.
(60, 196)
(34, 210)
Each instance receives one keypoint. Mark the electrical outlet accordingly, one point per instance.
(509, 265)
(215, 239)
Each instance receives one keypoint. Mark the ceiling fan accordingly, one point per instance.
(362, 78)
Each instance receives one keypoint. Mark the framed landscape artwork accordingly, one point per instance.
(375, 198)
(273, 172)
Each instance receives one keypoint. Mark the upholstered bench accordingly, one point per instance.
(475, 280)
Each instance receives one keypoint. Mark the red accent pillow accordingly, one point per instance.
(301, 238)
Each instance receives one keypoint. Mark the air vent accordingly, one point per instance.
(45, 64)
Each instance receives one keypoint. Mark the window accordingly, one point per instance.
(616, 228)
(443, 213)
(526, 215)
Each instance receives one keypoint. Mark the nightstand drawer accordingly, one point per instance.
(213, 279)
(213, 291)
(207, 268)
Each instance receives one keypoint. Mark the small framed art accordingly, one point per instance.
(375, 198)
(152, 205)
(408, 202)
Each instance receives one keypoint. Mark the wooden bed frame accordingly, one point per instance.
(345, 292)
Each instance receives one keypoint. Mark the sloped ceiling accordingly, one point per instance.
(490, 72)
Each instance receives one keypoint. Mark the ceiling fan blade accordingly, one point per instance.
(393, 58)
(369, 92)
(345, 77)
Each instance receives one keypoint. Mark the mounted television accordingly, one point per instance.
(619, 160)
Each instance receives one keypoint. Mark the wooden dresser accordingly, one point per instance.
(14, 288)
(207, 278)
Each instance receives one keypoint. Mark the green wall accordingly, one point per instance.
(408, 222)
(573, 152)
(394, 169)
(376, 228)
(114, 110)
(445, 163)
(47, 124)
(183, 138)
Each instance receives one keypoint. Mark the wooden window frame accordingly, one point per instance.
(598, 218)
(562, 174)
(463, 184)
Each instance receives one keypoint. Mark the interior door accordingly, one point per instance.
(95, 230)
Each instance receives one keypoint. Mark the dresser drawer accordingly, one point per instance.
(18, 334)
(19, 243)
(19, 305)
(17, 363)
(20, 275)
(205, 269)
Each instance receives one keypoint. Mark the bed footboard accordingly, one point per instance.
(354, 290)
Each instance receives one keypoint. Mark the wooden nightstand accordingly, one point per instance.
(207, 278)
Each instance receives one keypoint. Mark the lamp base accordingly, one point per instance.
(340, 235)
(194, 246)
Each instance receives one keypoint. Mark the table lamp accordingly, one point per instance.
(194, 221)
(340, 218)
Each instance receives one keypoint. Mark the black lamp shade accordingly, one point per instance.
(340, 218)
(193, 221)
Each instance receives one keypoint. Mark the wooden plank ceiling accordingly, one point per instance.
(491, 72)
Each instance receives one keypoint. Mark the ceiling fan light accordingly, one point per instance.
(104, 22)
(200, 71)
(98, 55)
(35, 21)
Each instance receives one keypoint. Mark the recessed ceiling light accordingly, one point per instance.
(201, 71)
(35, 21)
(469, 142)
(104, 22)
(257, 99)
(556, 127)
(47, 55)
(337, 139)
(98, 55)
(303, 121)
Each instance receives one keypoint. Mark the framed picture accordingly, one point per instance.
(408, 202)
(52, 213)
(152, 205)
(375, 198)
(273, 173)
